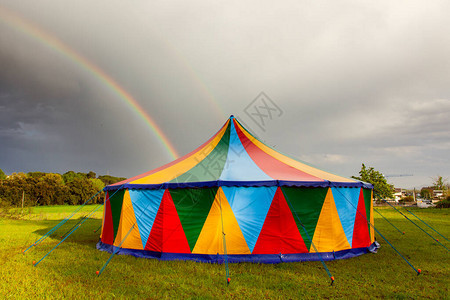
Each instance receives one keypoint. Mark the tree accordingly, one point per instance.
(98, 186)
(35, 174)
(426, 193)
(2, 175)
(381, 188)
(81, 190)
(71, 175)
(13, 187)
(107, 179)
(51, 190)
(439, 183)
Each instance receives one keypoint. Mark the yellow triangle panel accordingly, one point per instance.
(210, 240)
(329, 235)
(127, 220)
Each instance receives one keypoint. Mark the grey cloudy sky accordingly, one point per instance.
(356, 81)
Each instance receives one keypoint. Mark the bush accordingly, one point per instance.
(7, 210)
(443, 203)
(406, 199)
(5, 206)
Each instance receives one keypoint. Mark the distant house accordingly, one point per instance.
(399, 193)
(438, 194)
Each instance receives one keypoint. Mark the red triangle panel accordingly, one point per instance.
(279, 233)
(361, 236)
(108, 228)
(167, 234)
(270, 165)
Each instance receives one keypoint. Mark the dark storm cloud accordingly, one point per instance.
(52, 118)
(357, 82)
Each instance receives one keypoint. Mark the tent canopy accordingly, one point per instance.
(235, 157)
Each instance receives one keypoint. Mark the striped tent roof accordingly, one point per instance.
(235, 157)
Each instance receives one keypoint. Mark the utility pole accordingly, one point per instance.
(23, 197)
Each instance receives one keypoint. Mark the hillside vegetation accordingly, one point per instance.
(38, 188)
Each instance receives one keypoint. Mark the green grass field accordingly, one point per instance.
(69, 271)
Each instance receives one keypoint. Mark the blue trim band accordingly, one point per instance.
(174, 185)
(238, 258)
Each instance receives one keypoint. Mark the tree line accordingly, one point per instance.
(39, 188)
(383, 190)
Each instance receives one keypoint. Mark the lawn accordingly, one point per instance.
(69, 271)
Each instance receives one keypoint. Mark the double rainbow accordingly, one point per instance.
(32, 30)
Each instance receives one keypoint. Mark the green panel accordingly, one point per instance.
(210, 168)
(116, 200)
(306, 204)
(367, 200)
(193, 206)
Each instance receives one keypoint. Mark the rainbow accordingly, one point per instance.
(14, 21)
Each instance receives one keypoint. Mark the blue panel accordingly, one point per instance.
(346, 200)
(239, 166)
(246, 183)
(250, 206)
(145, 204)
(239, 258)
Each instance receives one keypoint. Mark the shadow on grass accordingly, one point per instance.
(80, 231)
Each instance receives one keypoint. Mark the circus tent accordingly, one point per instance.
(234, 196)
